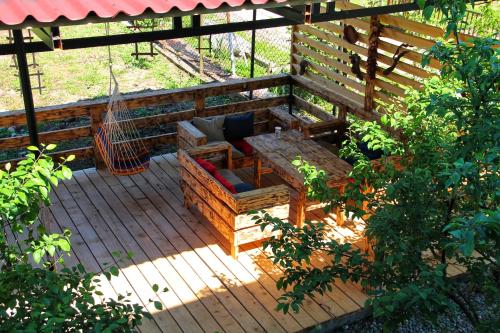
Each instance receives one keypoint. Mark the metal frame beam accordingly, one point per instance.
(295, 13)
(180, 32)
(24, 79)
(86, 42)
(252, 54)
(332, 15)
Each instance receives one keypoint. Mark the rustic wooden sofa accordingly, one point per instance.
(228, 212)
(264, 122)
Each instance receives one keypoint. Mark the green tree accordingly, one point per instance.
(38, 293)
(431, 201)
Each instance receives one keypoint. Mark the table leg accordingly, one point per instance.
(339, 212)
(257, 171)
(301, 208)
(366, 208)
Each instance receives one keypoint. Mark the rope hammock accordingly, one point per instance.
(117, 139)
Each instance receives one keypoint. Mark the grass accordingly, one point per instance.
(267, 50)
(73, 75)
(222, 57)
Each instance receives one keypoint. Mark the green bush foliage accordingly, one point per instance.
(436, 206)
(38, 293)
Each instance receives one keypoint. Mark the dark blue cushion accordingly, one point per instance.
(243, 187)
(238, 126)
(350, 160)
(371, 154)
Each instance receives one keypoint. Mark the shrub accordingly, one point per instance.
(437, 206)
(36, 296)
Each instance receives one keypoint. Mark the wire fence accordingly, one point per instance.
(229, 55)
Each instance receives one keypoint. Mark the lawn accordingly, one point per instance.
(81, 74)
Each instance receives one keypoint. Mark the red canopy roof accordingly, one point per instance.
(15, 12)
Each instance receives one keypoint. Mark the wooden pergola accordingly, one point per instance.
(292, 12)
(147, 214)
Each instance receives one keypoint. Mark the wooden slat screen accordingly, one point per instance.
(323, 46)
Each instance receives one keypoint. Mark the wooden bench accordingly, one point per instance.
(264, 122)
(228, 212)
(320, 129)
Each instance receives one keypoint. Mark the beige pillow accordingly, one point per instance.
(212, 127)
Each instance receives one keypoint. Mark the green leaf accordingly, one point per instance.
(51, 146)
(428, 12)
(70, 158)
(32, 148)
(51, 250)
(37, 256)
(64, 245)
(66, 172)
(155, 288)
(421, 4)
(114, 271)
(158, 305)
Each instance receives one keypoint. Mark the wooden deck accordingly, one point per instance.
(176, 248)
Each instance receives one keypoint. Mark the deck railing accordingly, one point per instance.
(95, 110)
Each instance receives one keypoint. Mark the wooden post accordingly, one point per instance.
(343, 110)
(252, 51)
(257, 171)
(292, 50)
(96, 118)
(339, 212)
(200, 51)
(371, 62)
(199, 105)
(234, 247)
(301, 207)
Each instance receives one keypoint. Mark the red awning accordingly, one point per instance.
(16, 12)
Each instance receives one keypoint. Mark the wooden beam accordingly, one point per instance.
(245, 106)
(337, 95)
(45, 137)
(315, 110)
(83, 152)
(150, 98)
(371, 70)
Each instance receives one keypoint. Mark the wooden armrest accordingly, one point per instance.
(209, 148)
(214, 148)
(284, 117)
(189, 133)
(262, 198)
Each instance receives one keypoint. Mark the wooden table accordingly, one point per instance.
(278, 154)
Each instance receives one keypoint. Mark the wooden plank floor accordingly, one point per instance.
(176, 248)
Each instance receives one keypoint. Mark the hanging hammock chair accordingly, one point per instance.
(117, 139)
